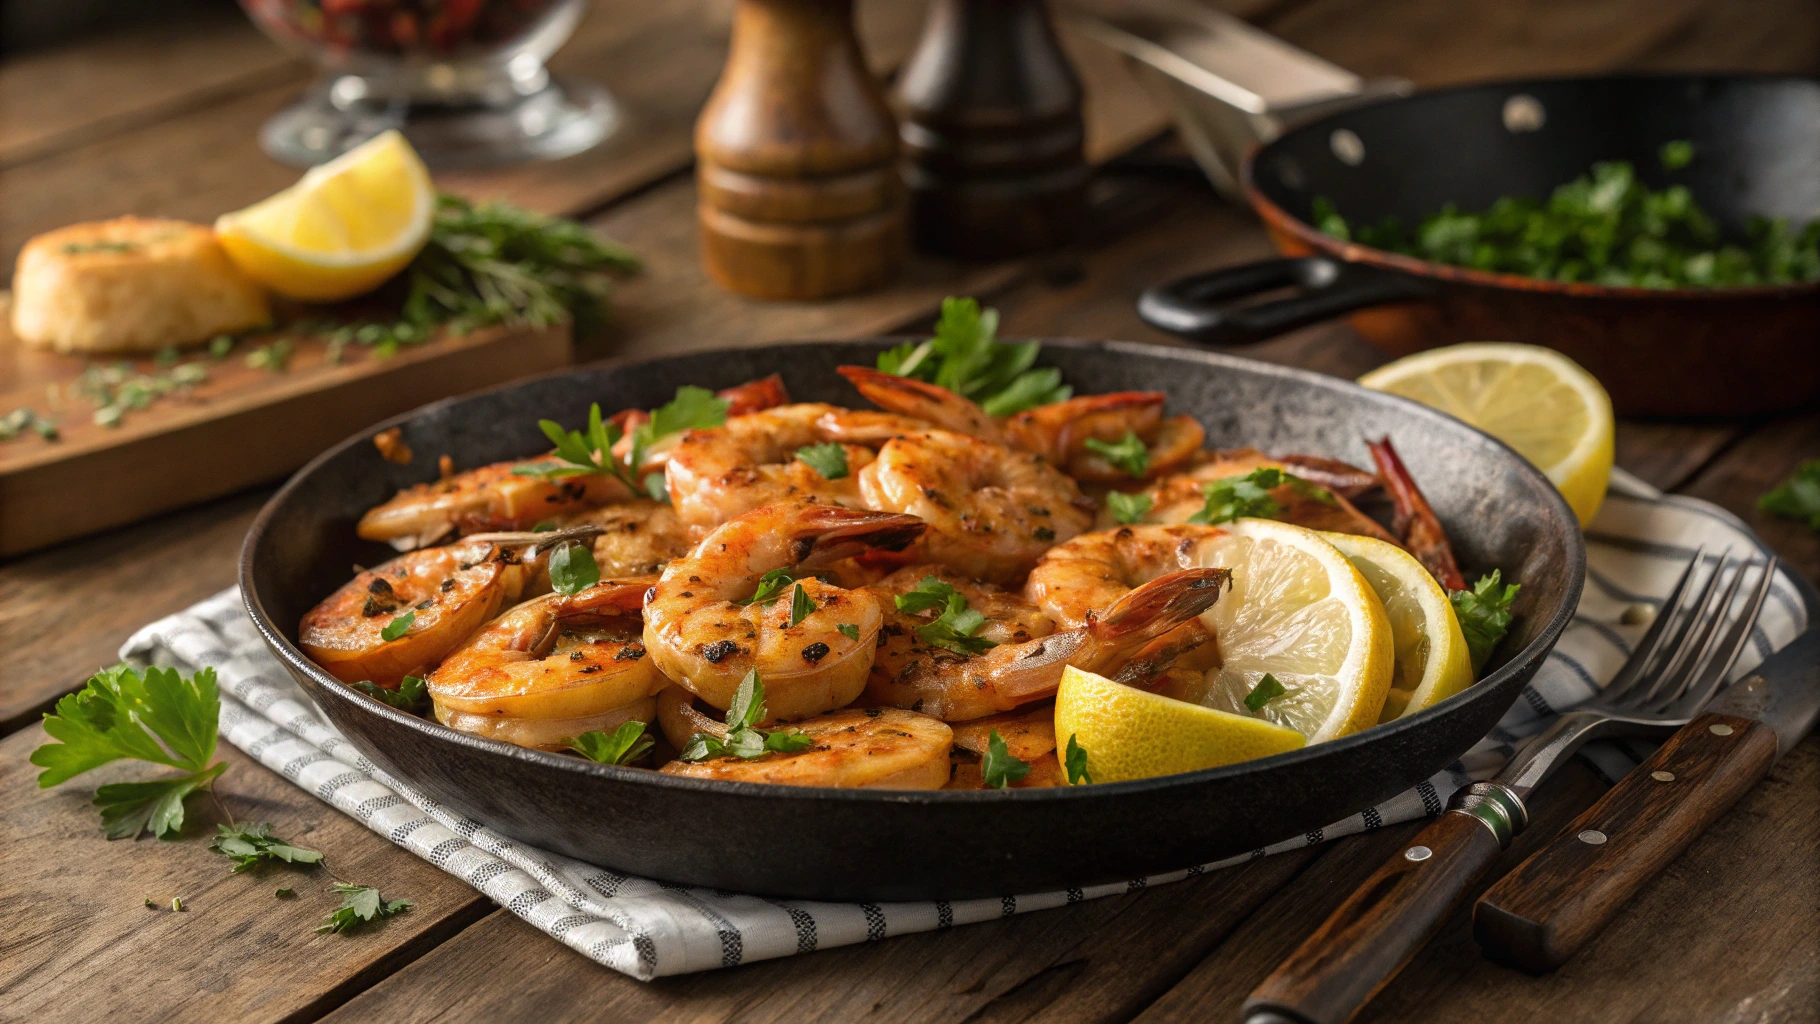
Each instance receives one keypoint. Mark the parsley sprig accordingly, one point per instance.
(1484, 614)
(744, 739)
(999, 767)
(253, 843)
(830, 459)
(359, 905)
(623, 745)
(1798, 497)
(1074, 762)
(953, 629)
(1248, 496)
(965, 357)
(160, 716)
(590, 452)
(1129, 453)
(411, 697)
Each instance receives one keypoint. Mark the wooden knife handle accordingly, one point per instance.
(1539, 915)
(1365, 942)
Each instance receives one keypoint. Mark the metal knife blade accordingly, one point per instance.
(1782, 693)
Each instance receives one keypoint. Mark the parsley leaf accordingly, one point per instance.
(1484, 614)
(412, 695)
(965, 357)
(1267, 690)
(770, 585)
(578, 453)
(253, 842)
(1129, 508)
(158, 716)
(998, 766)
(848, 630)
(1677, 154)
(1075, 761)
(1238, 497)
(743, 739)
(929, 592)
(398, 626)
(657, 486)
(1128, 453)
(624, 745)
(360, 904)
(573, 569)
(951, 631)
(1798, 497)
(800, 605)
(693, 408)
(830, 459)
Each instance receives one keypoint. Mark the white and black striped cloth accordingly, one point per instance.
(647, 928)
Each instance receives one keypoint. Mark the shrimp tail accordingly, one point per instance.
(1415, 520)
(1152, 610)
(755, 395)
(1145, 668)
(1342, 478)
(623, 596)
(911, 397)
(826, 533)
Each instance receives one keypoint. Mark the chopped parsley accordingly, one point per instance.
(744, 739)
(952, 630)
(800, 605)
(591, 453)
(1267, 690)
(359, 905)
(770, 586)
(1248, 496)
(623, 745)
(398, 626)
(1798, 497)
(253, 843)
(1128, 453)
(998, 767)
(830, 459)
(965, 357)
(1129, 508)
(573, 569)
(848, 630)
(412, 695)
(1484, 614)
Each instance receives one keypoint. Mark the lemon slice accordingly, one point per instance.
(1299, 612)
(1431, 657)
(1131, 734)
(342, 230)
(1534, 399)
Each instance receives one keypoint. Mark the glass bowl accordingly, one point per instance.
(464, 80)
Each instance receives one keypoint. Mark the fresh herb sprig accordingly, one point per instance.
(999, 768)
(590, 453)
(1129, 508)
(411, 697)
(953, 629)
(744, 739)
(1484, 614)
(1129, 453)
(253, 843)
(1074, 762)
(160, 716)
(21, 420)
(1798, 497)
(623, 745)
(965, 357)
(360, 904)
(1248, 496)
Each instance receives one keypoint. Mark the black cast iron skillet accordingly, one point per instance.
(1709, 352)
(878, 845)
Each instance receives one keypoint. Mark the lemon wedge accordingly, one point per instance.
(1432, 661)
(1133, 734)
(1534, 399)
(342, 230)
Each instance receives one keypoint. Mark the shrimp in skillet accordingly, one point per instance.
(706, 632)
(1176, 498)
(1131, 641)
(1079, 580)
(991, 511)
(446, 594)
(716, 474)
(871, 748)
(1029, 735)
(637, 537)
(553, 668)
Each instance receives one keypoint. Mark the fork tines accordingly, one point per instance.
(1689, 649)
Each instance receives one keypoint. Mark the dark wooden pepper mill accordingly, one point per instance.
(796, 159)
(992, 132)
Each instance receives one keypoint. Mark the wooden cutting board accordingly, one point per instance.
(242, 426)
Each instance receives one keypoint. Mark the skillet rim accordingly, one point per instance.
(295, 661)
(1369, 256)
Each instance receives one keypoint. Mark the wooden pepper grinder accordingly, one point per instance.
(796, 159)
(992, 132)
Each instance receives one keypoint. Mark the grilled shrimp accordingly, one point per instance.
(705, 632)
(1058, 432)
(637, 537)
(1177, 498)
(448, 592)
(871, 748)
(1077, 581)
(719, 473)
(1415, 520)
(991, 511)
(489, 498)
(1029, 735)
(553, 668)
(1134, 639)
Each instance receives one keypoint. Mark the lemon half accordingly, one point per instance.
(1534, 399)
(342, 230)
(1431, 657)
(1133, 734)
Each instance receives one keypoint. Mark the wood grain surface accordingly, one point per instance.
(1729, 931)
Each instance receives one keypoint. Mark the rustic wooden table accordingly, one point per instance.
(164, 122)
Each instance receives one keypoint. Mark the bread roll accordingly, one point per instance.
(130, 285)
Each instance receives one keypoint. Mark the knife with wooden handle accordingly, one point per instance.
(1540, 914)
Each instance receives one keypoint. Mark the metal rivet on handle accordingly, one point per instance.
(1592, 837)
(1662, 776)
(1418, 853)
(1720, 730)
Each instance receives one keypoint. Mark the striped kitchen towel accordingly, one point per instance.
(646, 928)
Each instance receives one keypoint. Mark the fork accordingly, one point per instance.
(1681, 662)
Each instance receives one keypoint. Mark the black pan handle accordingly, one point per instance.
(1203, 307)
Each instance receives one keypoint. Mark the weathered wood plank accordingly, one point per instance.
(81, 945)
(1750, 468)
